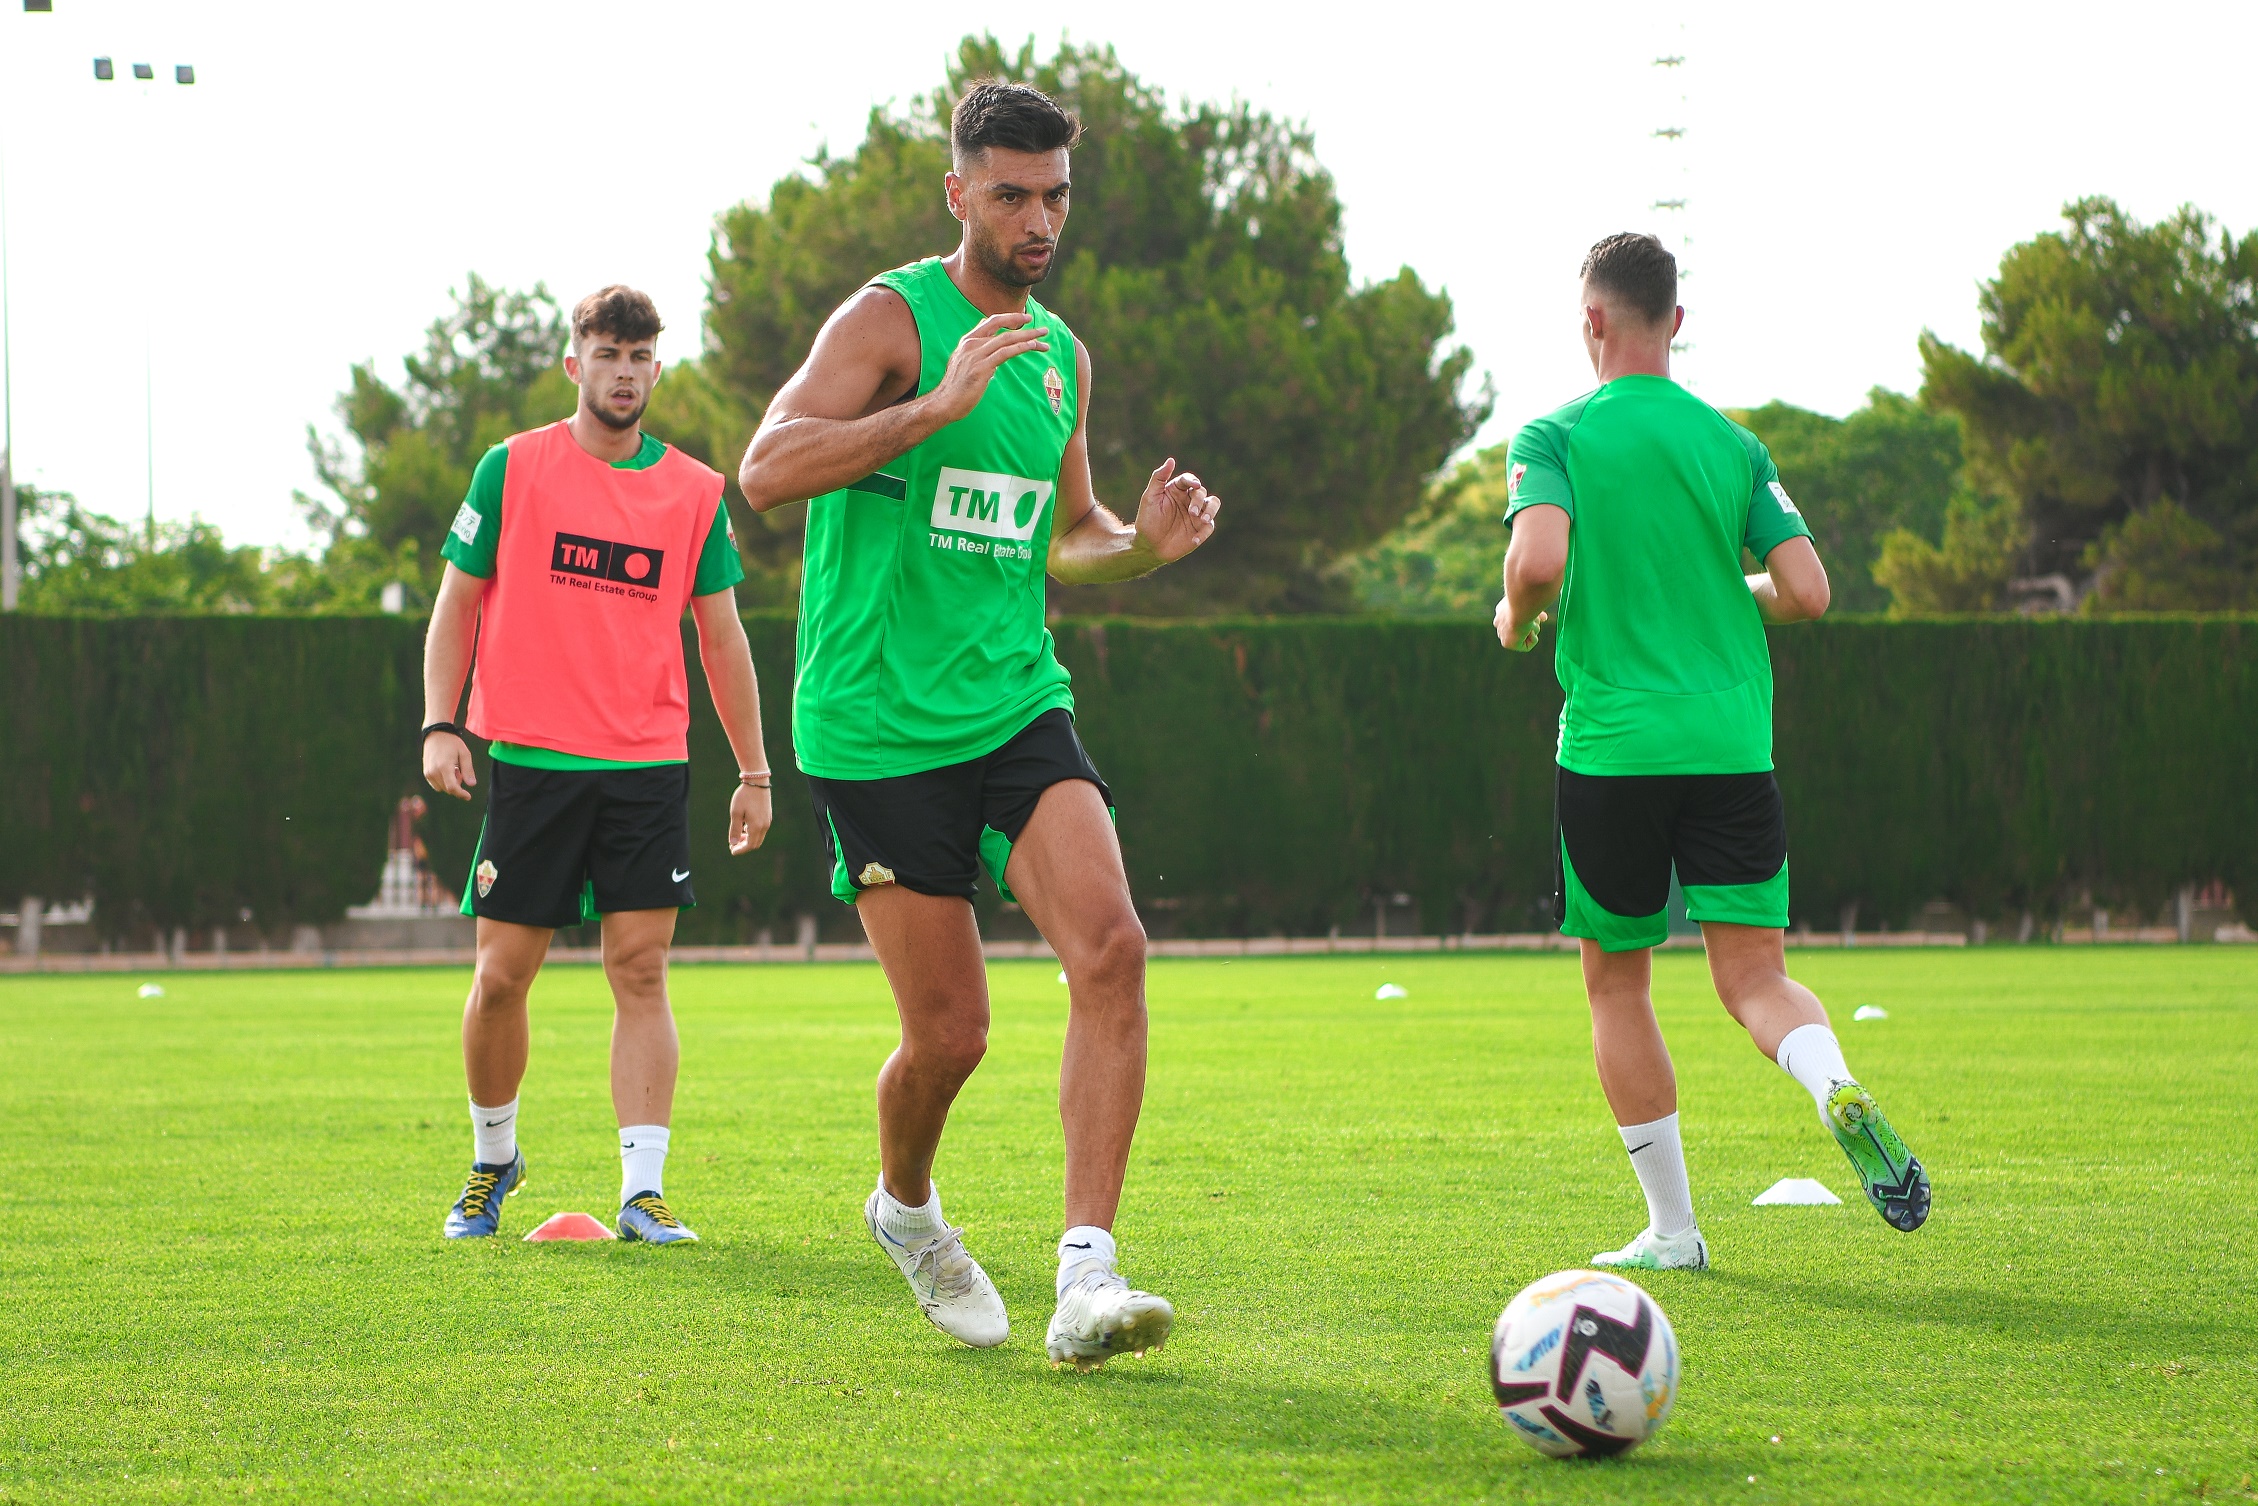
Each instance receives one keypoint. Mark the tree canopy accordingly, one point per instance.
(1202, 267)
(489, 368)
(2115, 404)
(1888, 466)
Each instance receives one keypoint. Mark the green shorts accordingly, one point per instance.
(1616, 838)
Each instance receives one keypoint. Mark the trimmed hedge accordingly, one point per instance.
(1271, 775)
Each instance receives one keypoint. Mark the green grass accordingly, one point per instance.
(222, 1274)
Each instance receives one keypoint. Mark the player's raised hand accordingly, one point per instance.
(1176, 513)
(985, 346)
(750, 812)
(446, 765)
(1522, 642)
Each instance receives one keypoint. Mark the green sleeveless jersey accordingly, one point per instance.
(921, 640)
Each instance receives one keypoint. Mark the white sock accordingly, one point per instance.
(1660, 1161)
(642, 1160)
(910, 1224)
(1812, 1056)
(1081, 1249)
(493, 1133)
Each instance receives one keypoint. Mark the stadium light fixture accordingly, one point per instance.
(144, 72)
(184, 73)
(105, 70)
(46, 5)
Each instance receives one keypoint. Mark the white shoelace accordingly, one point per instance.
(946, 1276)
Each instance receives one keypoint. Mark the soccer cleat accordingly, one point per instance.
(1099, 1316)
(1894, 1181)
(1651, 1252)
(646, 1217)
(951, 1289)
(478, 1212)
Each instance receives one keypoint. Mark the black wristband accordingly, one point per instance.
(441, 727)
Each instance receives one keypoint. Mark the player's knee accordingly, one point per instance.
(1114, 959)
(639, 973)
(497, 984)
(954, 1049)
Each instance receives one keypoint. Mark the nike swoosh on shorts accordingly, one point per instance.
(679, 877)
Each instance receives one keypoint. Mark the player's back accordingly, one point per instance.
(1661, 650)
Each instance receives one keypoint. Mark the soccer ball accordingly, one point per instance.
(1584, 1363)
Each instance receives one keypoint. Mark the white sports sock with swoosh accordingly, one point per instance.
(1081, 1248)
(493, 1133)
(1813, 1057)
(642, 1160)
(1660, 1160)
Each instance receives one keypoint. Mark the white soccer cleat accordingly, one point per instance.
(1651, 1252)
(951, 1289)
(1099, 1317)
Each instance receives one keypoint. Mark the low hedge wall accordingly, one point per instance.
(1271, 775)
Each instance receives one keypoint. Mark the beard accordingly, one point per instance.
(616, 422)
(999, 264)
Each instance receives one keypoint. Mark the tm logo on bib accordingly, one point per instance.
(990, 505)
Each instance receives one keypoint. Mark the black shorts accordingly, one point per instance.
(563, 846)
(1617, 837)
(933, 832)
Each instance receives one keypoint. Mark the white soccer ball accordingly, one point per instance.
(1584, 1363)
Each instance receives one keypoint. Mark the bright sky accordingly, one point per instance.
(1851, 175)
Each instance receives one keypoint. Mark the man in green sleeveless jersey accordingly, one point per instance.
(1630, 510)
(939, 426)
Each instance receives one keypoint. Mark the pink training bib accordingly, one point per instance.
(580, 639)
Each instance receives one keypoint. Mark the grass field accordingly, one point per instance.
(222, 1273)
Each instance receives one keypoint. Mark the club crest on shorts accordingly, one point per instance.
(1054, 387)
(874, 874)
(486, 875)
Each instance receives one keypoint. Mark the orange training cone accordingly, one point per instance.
(569, 1226)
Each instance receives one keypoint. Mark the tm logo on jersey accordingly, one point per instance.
(1000, 511)
(581, 560)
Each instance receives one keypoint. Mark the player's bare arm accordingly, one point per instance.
(728, 661)
(1793, 587)
(851, 408)
(446, 665)
(1536, 563)
(1090, 544)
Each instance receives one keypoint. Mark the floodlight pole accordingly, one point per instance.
(10, 569)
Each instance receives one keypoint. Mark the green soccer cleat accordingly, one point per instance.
(1894, 1181)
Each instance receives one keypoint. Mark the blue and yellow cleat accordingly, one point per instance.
(646, 1217)
(1892, 1179)
(478, 1212)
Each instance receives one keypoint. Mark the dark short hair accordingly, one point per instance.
(618, 311)
(1638, 269)
(1016, 117)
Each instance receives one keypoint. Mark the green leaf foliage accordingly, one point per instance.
(1968, 570)
(490, 367)
(1448, 559)
(2164, 559)
(1890, 465)
(77, 560)
(2119, 369)
(1202, 266)
(182, 769)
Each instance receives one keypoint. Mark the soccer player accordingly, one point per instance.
(570, 565)
(940, 427)
(1630, 508)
